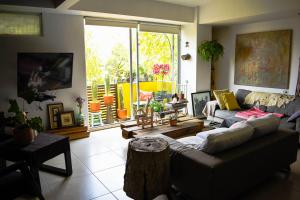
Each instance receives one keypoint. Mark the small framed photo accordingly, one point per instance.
(199, 100)
(67, 119)
(53, 114)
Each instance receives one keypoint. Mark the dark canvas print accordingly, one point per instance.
(40, 72)
(199, 100)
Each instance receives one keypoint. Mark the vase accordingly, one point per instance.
(122, 113)
(108, 100)
(80, 118)
(24, 136)
(95, 106)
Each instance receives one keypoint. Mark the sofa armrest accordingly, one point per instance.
(192, 171)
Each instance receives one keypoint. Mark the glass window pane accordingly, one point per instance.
(20, 24)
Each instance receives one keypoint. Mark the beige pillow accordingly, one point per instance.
(219, 98)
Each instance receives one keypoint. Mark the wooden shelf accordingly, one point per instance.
(73, 133)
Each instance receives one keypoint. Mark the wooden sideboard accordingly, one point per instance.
(73, 133)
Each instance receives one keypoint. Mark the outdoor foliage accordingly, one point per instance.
(154, 48)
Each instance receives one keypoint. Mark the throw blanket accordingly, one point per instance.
(268, 99)
(209, 109)
(254, 112)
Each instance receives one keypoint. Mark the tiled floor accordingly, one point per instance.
(99, 165)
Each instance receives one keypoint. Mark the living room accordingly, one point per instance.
(99, 158)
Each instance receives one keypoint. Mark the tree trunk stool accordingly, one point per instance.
(147, 168)
(94, 116)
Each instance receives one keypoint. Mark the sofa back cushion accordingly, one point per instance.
(204, 134)
(264, 125)
(230, 138)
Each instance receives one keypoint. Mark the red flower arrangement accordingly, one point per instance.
(161, 69)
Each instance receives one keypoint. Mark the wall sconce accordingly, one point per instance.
(186, 56)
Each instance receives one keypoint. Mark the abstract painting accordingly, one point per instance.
(263, 59)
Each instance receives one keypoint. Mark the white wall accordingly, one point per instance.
(227, 37)
(194, 71)
(61, 33)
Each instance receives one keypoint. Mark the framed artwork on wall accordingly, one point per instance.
(263, 59)
(67, 119)
(54, 111)
(199, 100)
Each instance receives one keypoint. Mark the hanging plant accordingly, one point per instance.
(210, 50)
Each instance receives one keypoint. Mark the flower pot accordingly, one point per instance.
(24, 136)
(173, 122)
(95, 106)
(122, 113)
(108, 100)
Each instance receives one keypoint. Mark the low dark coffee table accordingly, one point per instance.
(45, 147)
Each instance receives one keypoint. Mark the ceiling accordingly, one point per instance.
(191, 3)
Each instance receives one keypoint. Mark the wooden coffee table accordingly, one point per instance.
(182, 129)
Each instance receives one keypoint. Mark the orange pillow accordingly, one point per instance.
(144, 96)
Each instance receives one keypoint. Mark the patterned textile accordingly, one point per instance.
(268, 99)
(210, 108)
(255, 112)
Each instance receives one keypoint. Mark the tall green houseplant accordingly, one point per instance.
(211, 51)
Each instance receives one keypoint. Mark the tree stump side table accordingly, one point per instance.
(147, 168)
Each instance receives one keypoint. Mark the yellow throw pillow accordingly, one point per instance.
(218, 96)
(230, 101)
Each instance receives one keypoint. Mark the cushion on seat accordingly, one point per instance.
(230, 101)
(223, 114)
(218, 96)
(192, 141)
(264, 125)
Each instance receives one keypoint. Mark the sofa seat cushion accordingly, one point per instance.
(264, 125)
(223, 114)
(285, 124)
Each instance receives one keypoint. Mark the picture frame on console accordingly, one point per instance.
(67, 119)
(54, 111)
(199, 100)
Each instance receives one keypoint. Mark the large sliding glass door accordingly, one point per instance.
(132, 63)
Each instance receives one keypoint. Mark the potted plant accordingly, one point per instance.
(26, 129)
(108, 98)
(173, 119)
(210, 51)
(95, 103)
(122, 112)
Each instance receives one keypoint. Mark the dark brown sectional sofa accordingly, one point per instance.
(228, 174)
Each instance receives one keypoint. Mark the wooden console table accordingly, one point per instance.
(182, 129)
(73, 133)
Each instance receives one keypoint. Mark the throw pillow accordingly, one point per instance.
(264, 125)
(226, 140)
(192, 141)
(294, 116)
(230, 101)
(144, 95)
(218, 96)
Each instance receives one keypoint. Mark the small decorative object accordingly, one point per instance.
(263, 59)
(122, 112)
(173, 119)
(186, 56)
(181, 96)
(95, 103)
(144, 116)
(210, 51)
(25, 129)
(199, 100)
(53, 114)
(67, 119)
(80, 118)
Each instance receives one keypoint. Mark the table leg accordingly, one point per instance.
(34, 169)
(68, 162)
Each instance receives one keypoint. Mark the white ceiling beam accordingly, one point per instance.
(65, 5)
